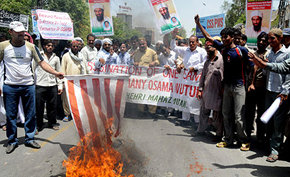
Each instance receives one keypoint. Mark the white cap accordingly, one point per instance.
(257, 13)
(78, 39)
(159, 6)
(98, 6)
(107, 40)
(16, 26)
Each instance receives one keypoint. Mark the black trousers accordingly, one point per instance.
(46, 95)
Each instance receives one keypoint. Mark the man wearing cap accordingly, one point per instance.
(278, 85)
(98, 18)
(165, 20)
(286, 37)
(106, 56)
(17, 56)
(72, 63)
(256, 28)
(89, 51)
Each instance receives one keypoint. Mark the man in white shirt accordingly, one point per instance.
(193, 58)
(17, 55)
(47, 87)
(89, 51)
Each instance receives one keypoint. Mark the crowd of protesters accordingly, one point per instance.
(237, 83)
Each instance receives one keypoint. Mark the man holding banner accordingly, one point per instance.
(193, 59)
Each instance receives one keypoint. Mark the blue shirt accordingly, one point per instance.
(125, 58)
(235, 65)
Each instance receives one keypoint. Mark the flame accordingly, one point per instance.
(90, 160)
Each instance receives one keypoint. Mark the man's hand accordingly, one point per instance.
(59, 75)
(196, 18)
(102, 61)
(251, 87)
(199, 95)
(152, 64)
(191, 69)
(258, 61)
(167, 67)
(59, 91)
(283, 98)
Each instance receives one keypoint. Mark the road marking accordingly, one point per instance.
(53, 136)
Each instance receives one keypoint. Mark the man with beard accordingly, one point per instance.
(47, 87)
(210, 92)
(165, 20)
(235, 61)
(256, 28)
(17, 55)
(99, 18)
(73, 63)
(106, 56)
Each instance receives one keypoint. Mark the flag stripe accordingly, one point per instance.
(97, 99)
(118, 99)
(108, 95)
(74, 108)
(90, 113)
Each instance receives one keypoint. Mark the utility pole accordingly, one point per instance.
(281, 12)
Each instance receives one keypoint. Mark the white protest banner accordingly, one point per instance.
(94, 100)
(159, 86)
(166, 15)
(101, 18)
(54, 25)
(212, 24)
(258, 18)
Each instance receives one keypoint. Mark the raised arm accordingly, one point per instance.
(204, 32)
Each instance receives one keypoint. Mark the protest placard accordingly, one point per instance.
(212, 24)
(54, 25)
(100, 17)
(166, 15)
(7, 17)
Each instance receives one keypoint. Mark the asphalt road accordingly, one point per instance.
(149, 147)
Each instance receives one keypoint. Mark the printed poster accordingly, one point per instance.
(54, 25)
(101, 18)
(166, 15)
(34, 23)
(7, 17)
(258, 19)
(212, 24)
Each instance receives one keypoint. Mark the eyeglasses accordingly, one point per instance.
(106, 44)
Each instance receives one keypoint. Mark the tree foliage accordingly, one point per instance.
(235, 12)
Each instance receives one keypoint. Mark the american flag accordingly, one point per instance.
(94, 99)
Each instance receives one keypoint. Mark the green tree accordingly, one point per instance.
(122, 31)
(235, 12)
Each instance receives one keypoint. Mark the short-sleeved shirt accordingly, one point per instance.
(234, 64)
(145, 58)
(18, 62)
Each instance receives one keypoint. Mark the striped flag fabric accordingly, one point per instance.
(94, 100)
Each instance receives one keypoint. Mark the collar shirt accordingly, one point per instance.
(44, 78)
(109, 59)
(194, 58)
(18, 61)
(89, 53)
(278, 83)
(168, 60)
(124, 59)
(146, 57)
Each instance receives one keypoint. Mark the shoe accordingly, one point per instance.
(55, 127)
(221, 144)
(245, 147)
(66, 119)
(10, 148)
(33, 144)
(272, 158)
